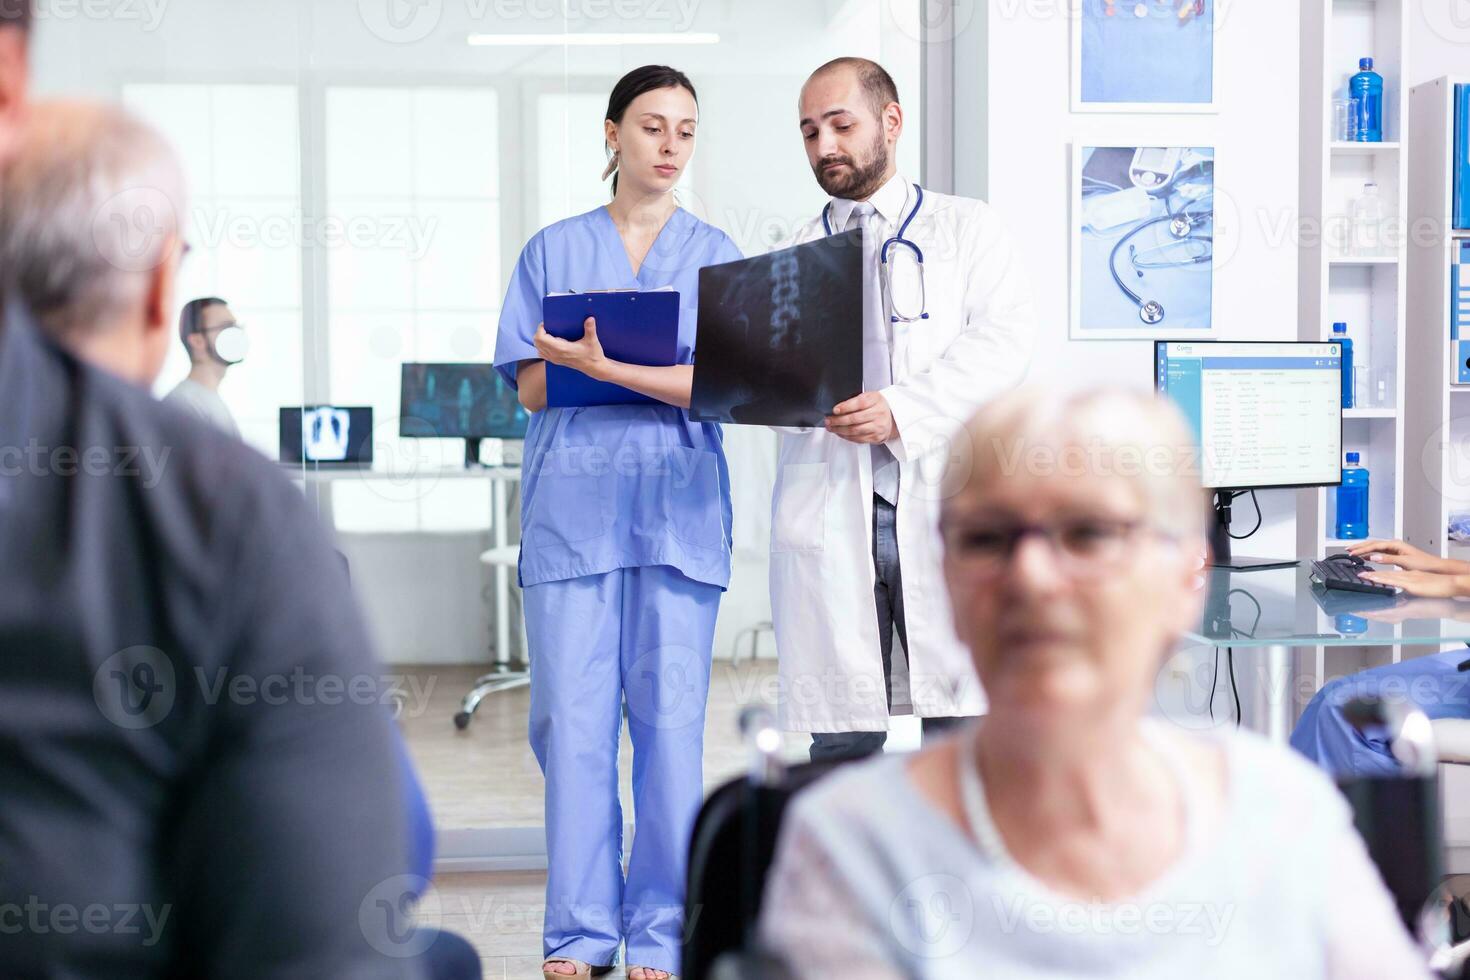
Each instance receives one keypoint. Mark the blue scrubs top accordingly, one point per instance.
(617, 486)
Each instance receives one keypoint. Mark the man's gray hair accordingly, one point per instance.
(91, 204)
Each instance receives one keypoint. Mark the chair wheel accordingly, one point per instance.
(462, 720)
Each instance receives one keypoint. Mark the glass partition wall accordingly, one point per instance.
(364, 176)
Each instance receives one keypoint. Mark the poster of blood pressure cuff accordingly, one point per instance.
(1144, 55)
(1143, 242)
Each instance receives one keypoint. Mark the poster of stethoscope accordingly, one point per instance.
(1143, 241)
(1144, 55)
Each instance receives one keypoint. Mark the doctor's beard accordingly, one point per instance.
(861, 180)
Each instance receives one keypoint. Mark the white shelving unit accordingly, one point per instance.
(1436, 411)
(1437, 421)
(1367, 292)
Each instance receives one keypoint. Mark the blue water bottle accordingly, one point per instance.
(1367, 87)
(1339, 336)
(1352, 501)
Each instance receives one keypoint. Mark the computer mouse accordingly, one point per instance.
(1357, 561)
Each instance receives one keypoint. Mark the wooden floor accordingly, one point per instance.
(486, 777)
(499, 913)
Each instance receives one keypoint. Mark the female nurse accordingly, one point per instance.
(625, 550)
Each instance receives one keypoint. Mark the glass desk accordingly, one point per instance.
(1279, 612)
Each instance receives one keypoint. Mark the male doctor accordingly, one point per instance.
(855, 549)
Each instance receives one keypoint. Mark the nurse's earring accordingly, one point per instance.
(612, 164)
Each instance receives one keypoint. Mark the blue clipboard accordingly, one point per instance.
(634, 327)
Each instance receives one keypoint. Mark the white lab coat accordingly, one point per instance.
(976, 343)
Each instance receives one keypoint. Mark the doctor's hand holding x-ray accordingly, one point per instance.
(947, 325)
(864, 419)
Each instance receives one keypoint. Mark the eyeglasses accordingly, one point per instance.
(1081, 547)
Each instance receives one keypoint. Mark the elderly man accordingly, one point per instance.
(1067, 833)
(191, 787)
(91, 207)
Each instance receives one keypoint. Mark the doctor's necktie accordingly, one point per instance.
(877, 349)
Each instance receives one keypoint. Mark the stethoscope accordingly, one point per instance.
(885, 269)
(1181, 227)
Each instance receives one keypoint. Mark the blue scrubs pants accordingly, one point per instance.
(1435, 683)
(643, 635)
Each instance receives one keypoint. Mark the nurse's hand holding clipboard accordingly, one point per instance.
(671, 385)
(585, 355)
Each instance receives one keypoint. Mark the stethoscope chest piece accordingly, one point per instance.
(1151, 312)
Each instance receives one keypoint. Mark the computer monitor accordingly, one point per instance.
(459, 401)
(331, 435)
(1266, 414)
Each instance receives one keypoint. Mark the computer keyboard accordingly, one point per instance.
(1341, 572)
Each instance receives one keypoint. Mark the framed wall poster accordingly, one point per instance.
(1143, 242)
(1144, 55)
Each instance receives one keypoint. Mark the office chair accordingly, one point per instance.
(730, 853)
(754, 631)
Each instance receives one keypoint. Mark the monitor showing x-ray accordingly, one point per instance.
(459, 401)
(327, 434)
(1266, 414)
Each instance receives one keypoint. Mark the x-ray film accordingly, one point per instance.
(780, 337)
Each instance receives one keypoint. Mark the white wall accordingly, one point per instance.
(1255, 134)
(1024, 170)
(1439, 39)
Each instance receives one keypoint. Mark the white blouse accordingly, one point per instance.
(872, 881)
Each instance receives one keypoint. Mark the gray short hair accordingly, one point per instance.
(1100, 432)
(90, 205)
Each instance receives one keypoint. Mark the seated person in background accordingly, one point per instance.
(214, 341)
(1434, 683)
(189, 787)
(1066, 834)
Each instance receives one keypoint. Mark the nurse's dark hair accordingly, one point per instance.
(15, 13)
(635, 83)
(873, 78)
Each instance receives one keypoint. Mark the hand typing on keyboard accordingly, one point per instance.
(1437, 585)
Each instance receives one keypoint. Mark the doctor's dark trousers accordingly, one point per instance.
(888, 595)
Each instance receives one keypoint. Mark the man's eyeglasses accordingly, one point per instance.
(1081, 546)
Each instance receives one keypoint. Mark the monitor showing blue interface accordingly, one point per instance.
(459, 401)
(1265, 414)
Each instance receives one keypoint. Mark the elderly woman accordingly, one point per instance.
(1066, 834)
